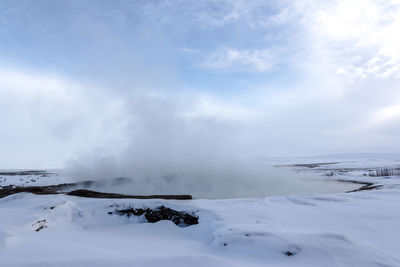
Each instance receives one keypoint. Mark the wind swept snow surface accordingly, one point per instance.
(343, 229)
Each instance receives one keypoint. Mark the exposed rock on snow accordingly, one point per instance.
(39, 225)
(180, 218)
(384, 172)
(59, 189)
(95, 194)
(24, 173)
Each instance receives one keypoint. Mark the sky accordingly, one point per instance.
(171, 83)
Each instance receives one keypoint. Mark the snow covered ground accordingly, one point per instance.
(341, 229)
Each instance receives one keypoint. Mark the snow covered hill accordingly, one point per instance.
(342, 229)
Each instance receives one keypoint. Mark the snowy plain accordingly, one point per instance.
(310, 229)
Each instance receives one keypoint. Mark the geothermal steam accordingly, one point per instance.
(166, 151)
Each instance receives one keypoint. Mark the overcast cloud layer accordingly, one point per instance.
(130, 85)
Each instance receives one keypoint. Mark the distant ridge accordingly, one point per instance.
(361, 156)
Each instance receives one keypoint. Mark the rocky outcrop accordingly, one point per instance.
(180, 218)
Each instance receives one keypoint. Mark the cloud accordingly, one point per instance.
(216, 14)
(234, 60)
(324, 73)
(47, 118)
(360, 36)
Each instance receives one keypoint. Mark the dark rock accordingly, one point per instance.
(129, 212)
(309, 165)
(41, 224)
(40, 228)
(290, 253)
(164, 213)
(382, 172)
(95, 194)
(10, 190)
(19, 173)
(62, 188)
(180, 218)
